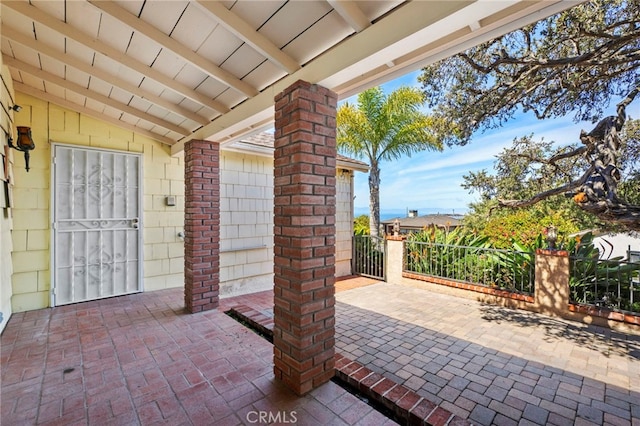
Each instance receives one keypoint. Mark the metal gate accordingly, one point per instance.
(369, 256)
(97, 245)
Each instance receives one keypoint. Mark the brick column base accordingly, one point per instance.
(304, 236)
(201, 226)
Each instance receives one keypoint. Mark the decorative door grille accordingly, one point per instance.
(97, 225)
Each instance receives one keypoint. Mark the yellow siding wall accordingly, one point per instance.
(163, 175)
(344, 221)
(6, 221)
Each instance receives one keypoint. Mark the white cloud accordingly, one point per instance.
(431, 180)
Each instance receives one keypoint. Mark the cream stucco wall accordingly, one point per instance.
(163, 175)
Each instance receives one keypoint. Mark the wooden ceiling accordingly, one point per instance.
(175, 70)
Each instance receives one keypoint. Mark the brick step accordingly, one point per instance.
(408, 407)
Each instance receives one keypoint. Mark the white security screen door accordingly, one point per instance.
(96, 225)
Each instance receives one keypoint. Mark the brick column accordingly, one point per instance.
(304, 236)
(201, 225)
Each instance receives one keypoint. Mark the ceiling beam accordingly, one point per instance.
(28, 90)
(239, 27)
(493, 20)
(406, 20)
(70, 61)
(351, 13)
(171, 44)
(67, 30)
(398, 33)
(66, 84)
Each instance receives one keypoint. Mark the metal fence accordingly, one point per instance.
(610, 284)
(502, 269)
(369, 256)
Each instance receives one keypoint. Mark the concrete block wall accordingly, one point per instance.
(246, 223)
(163, 175)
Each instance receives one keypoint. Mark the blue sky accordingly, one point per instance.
(430, 181)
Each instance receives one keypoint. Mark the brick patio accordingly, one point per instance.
(141, 360)
(489, 364)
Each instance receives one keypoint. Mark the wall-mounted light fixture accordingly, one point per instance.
(16, 108)
(24, 143)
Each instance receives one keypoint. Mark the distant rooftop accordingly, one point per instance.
(419, 222)
(263, 143)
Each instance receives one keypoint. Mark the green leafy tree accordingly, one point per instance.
(382, 128)
(519, 175)
(361, 225)
(575, 62)
(523, 227)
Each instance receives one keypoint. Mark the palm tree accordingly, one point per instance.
(382, 127)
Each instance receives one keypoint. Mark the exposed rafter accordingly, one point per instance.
(21, 87)
(69, 60)
(56, 45)
(67, 30)
(351, 13)
(37, 72)
(169, 43)
(243, 31)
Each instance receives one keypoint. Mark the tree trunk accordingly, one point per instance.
(596, 190)
(374, 199)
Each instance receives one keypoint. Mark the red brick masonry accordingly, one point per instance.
(405, 404)
(471, 287)
(595, 311)
(304, 236)
(201, 226)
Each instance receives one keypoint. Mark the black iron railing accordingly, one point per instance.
(369, 256)
(502, 269)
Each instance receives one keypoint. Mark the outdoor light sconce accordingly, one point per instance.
(24, 143)
(396, 227)
(552, 237)
(15, 108)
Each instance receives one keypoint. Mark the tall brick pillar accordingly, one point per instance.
(304, 236)
(201, 225)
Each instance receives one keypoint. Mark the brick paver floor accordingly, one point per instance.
(489, 364)
(141, 360)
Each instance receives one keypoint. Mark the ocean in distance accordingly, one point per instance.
(386, 214)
